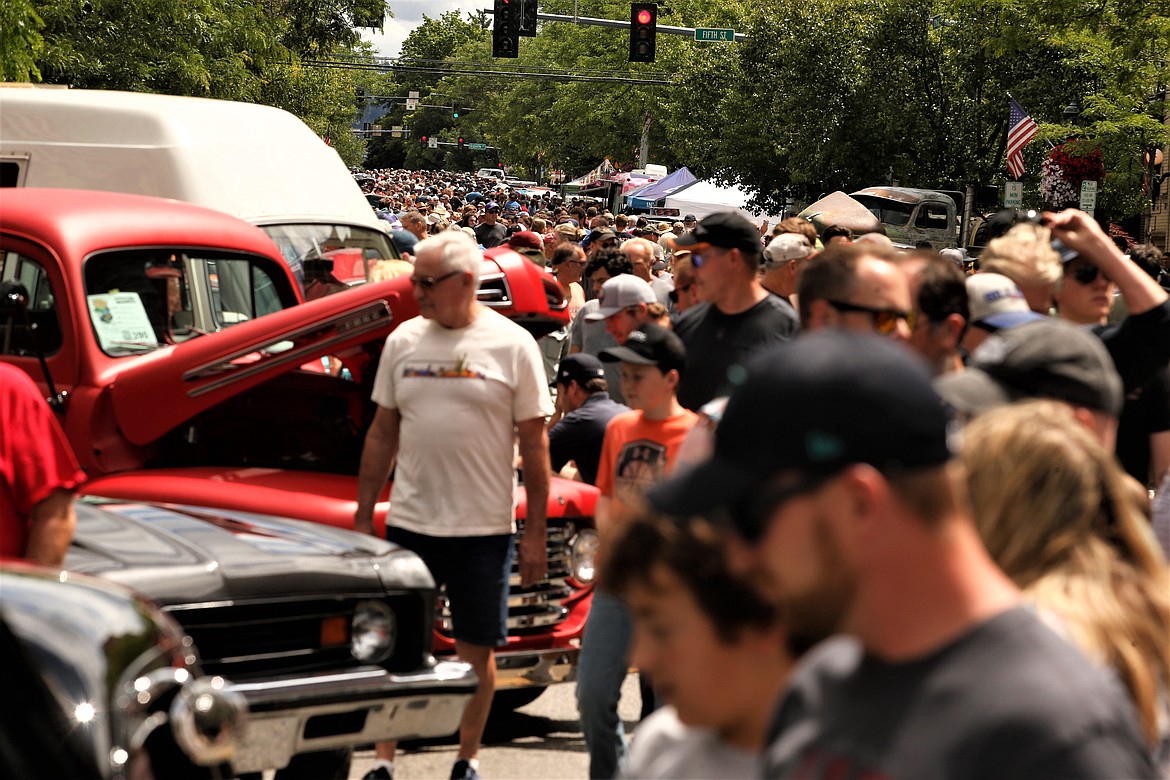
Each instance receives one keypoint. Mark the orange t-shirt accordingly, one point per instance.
(637, 452)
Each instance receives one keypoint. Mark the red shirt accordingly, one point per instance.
(35, 458)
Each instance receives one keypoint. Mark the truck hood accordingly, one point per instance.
(183, 554)
(839, 210)
(198, 374)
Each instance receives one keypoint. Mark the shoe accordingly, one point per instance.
(381, 773)
(463, 771)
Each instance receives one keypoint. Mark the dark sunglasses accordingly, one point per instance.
(697, 258)
(750, 518)
(885, 321)
(1087, 273)
(677, 291)
(429, 282)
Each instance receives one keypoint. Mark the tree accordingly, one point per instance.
(20, 41)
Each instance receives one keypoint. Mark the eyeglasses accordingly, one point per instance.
(430, 282)
(677, 291)
(1087, 273)
(750, 518)
(885, 321)
(698, 258)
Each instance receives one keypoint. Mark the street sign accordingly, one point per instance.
(1088, 196)
(433, 143)
(411, 104)
(477, 147)
(1013, 194)
(706, 34)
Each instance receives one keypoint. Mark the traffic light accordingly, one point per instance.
(527, 26)
(643, 31)
(455, 112)
(505, 30)
(425, 140)
(460, 142)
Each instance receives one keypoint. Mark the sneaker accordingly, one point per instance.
(463, 770)
(381, 773)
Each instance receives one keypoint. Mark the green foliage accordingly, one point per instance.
(840, 94)
(249, 50)
(20, 41)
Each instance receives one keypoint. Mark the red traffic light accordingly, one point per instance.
(644, 16)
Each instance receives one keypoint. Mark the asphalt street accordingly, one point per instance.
(541, 741)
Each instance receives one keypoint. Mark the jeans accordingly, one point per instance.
(602, 667)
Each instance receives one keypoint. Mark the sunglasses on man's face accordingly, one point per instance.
(1087, 273)
(677, 291)
(885, 321)
(710, 253)
(430, 282)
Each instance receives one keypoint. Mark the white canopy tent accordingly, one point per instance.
(705, 197)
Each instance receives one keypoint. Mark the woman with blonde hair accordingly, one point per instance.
(1025, 255)
(1065, 522)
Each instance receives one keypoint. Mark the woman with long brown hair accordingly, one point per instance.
(1065, 522)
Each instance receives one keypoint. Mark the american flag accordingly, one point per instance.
(1021, 130)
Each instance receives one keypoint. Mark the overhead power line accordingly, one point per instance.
(451, 68)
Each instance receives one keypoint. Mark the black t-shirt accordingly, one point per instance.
(717, 343)
(1146, 411)
(1008, 700)
(490, 235)
(578, 436)
(1139, 345)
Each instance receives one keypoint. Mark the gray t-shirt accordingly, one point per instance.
(1009, 699)
(667, 749)
(591, 338)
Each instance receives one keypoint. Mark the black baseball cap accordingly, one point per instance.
(724, 229)
(1048, 358)
(650, 345)
(814, 406)
(579, 367)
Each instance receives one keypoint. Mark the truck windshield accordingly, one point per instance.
(350, 249)
(143, 299)
(888, 212)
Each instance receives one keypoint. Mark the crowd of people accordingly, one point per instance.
(864, 510)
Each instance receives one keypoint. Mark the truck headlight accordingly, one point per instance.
(373, 632)
(583, 555)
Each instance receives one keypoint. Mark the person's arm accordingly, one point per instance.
(51, 525)
(1160, 455)
(536, 472)
(1078, 231)
(378, 454)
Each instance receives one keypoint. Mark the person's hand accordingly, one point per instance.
(533, 557)
(1078, 231)
(363, 523)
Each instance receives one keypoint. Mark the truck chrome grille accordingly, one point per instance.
(539, 606)
(239, 640)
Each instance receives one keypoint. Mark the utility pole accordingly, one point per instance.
(644, 147)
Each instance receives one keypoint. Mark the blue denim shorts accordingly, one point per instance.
(475, 570)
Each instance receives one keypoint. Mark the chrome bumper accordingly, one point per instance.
(527, 668)
(293, 715)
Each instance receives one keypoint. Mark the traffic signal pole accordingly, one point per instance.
(624, 24)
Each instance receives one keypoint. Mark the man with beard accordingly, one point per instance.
(832, 465)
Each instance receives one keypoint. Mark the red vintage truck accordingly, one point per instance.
(186, 368)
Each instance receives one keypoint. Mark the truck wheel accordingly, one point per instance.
(515, 698)
(324, 765)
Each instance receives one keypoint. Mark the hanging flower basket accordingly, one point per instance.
(1062, 173)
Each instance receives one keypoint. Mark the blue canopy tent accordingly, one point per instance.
(646, 197)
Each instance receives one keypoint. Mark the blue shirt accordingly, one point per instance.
(578, 436)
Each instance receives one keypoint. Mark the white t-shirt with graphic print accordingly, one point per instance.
(459, 393)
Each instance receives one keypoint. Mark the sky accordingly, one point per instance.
(408, 14)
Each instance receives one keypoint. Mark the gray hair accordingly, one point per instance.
(458, 252)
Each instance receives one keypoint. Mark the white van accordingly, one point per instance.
(258, 163)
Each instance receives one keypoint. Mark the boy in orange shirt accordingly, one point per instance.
(639, 449)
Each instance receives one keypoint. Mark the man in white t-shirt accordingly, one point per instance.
(452, 389)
